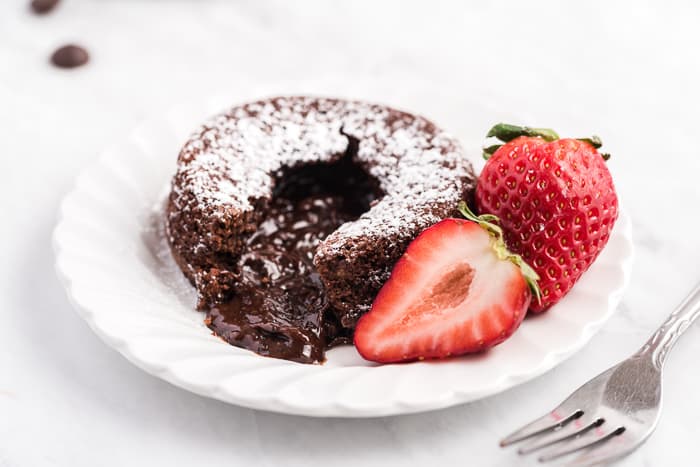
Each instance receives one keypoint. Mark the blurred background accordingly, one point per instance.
(627, 71)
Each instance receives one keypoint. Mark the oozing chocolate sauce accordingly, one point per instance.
(278, 307)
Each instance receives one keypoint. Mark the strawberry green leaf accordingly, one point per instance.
(488, 151)
(506, 132)
(594, 141)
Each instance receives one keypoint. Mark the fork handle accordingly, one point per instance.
(676, 324)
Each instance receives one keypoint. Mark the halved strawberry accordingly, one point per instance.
(455, 290)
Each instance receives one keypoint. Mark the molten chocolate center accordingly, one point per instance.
(279, 307)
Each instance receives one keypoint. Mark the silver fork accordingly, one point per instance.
(615, 412)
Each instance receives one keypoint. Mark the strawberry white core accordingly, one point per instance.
(449, 291)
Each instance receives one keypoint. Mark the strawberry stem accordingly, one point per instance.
(488, 223)
(506, 132)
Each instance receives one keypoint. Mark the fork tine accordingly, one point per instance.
(589, 439)
(549, 422)
(603, 453)
(573, 429)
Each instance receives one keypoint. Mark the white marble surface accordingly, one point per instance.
(628, 72)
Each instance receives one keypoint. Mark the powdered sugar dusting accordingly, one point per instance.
(233, 159)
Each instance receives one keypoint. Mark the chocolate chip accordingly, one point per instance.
(70, 56)
(41, 7)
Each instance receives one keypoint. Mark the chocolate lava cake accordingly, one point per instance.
(288, 214)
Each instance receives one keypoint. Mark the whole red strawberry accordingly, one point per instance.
(555, 199)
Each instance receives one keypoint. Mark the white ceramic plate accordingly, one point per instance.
(119, 274)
